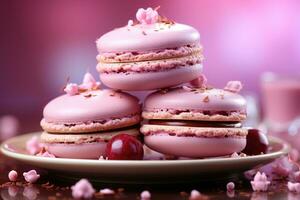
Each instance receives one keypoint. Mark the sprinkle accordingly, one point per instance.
(195, 194)
(71, 89)
(107, 191)
(294, 187)
(147, 16)
(145, 195)
(206, 99)
(230, 186)
(33, 146)
(83, 189)
(13, 176)
(31, 176)
(233, 86)
(260, 182)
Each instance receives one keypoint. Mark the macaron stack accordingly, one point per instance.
(149, 53)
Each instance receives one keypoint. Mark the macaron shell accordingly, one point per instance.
(90, 126)
(78, 151)
(85, 138)
(178, 100)
(147, 37)
(151, 80)
(194, 147)
(93, 105)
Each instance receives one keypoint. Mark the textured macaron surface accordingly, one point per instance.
(91, 111)
(149, 37)
(195, 104)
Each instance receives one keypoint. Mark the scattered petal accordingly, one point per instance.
(107, 191)
(230, 186)
(130, 22)
(71, 89)
(294, 187)
(233, 86)
(46, 154)
(235, 155)
(147, 16)
(260, 182)
(83, 189)
(145, 195)
(195, 194)
(33, 146)
(89, 82)
(31, 176)
(13, 176)
(199, 82)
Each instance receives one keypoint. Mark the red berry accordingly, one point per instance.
(257, 142)
(124, 147)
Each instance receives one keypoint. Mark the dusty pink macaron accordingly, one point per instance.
(81, 122)
(188, 122)
(149, 53)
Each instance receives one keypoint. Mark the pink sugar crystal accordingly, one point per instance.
(83, 189)
(233, 86)
(13, 176)
(31, 176)
(260, 182)
(145, 195)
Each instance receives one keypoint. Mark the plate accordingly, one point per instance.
(145, 171)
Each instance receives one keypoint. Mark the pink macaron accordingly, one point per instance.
(79, 123)
(149, 53)
(189, 121)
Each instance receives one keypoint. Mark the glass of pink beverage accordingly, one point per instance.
(281, 106)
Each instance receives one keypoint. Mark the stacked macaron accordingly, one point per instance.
(80, 123)
(195, 121)
(149, 53)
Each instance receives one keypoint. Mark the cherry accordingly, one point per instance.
(257, 142)
(124, 147)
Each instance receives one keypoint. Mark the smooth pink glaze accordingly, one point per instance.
(151, 80)
(101, 105)
(79, 151)
(194, 147)
(179, 98)
(147, 37)
(281, 100)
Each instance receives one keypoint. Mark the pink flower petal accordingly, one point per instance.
(31, 176)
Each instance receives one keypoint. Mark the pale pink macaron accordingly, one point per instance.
(146, 56)
(191, 122)
(79, 124)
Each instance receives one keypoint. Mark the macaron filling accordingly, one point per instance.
(194, 147)
(136, 56)
(194, 123)
(150, 66)
(194, 114)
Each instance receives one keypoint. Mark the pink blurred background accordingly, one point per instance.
(44, 42)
